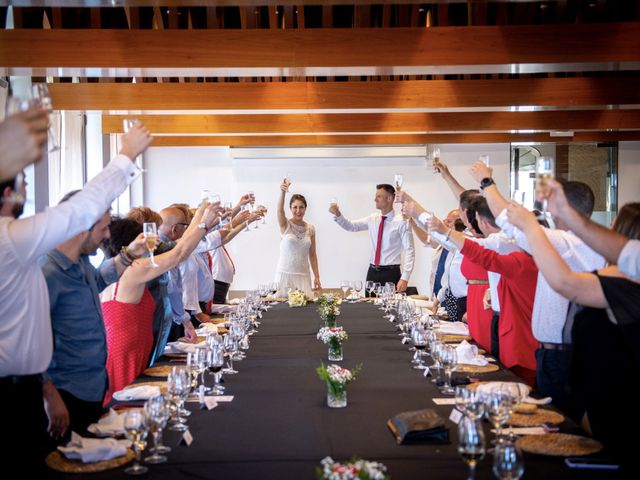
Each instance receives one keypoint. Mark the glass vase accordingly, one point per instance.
(336, 398)
(335, 352)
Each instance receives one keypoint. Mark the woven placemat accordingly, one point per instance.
(466, 368)
(159, 371)
(525, 408)
(163, 386)
(559, 444)
(455, 338)
(533, 419)
(176, 355)
(57, 461)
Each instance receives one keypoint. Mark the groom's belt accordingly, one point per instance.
(382, 268)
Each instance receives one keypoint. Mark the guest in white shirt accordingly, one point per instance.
(390, 236)
(26, 341)
(549, 307)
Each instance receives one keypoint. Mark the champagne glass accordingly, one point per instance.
(287, 179)
(264, 216)
(435, 160)
(42, 96)
(545, 171)
(252, 197)
(136, 431)
(471, 443)
(507, 461)
(127, 124)
(485, 159)
(397, 181)
(150, 233)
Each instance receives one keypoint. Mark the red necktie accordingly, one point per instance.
(378, 247)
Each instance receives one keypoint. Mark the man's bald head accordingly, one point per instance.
(174, 222)
(451, 217)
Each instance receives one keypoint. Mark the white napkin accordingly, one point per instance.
(537, 401)
(526, 431)
(468, 354)
(91, 450)
(206, 328)
(421, 303)
(112, 424)
(144, 392)
(181, 347)
(518, 389)
(441, 311)
(454, 328)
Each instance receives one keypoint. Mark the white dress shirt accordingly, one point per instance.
(498, 242)
(222, 267)
(629, 259)
(196, 282)
(396, 237)
(549, 307)
(26, 341)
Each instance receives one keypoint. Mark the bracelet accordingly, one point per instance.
(449, 233)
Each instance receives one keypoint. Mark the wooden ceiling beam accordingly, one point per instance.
(317, 140)
(382, 122)
(550, 92)
(264, 48)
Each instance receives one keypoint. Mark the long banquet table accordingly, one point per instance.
(278, 425)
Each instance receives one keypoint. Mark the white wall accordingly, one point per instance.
(628, 172)
(178, 174)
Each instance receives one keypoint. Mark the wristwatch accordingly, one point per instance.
(485, 182)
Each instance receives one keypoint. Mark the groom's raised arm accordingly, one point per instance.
(409, 252)
(352, 226)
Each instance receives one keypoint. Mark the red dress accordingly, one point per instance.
(129, 339)
(478, 318)
(516, 290)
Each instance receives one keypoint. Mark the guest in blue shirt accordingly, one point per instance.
(74, 392)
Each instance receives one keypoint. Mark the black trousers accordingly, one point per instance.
(495, 336)
(220, 293)
(552, 380)
(383, 275)
(81, 413)
(25, 441)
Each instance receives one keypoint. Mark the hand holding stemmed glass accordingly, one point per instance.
(471, 443)
(150, 233)
(135, 428)
(545, 171)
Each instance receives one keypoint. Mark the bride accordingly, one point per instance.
(297, 247)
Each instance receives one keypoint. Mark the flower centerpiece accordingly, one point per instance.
(337, 379)
(296, 298)
(356, 468)
(329, 308)
(333, 336)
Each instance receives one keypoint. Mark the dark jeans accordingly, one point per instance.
(552, 379)
(24, 441)
(383, 276)
(81, 413)
(220, 293)
(495, 336)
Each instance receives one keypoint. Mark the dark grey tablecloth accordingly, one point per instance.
(278, 426)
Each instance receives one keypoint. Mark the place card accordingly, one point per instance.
(210, 403)
(405, 340)
(426, 372)
(186, 438)
(223, 398)
(456, 416)
(444, 401)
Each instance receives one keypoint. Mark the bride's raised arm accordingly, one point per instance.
(282, 217)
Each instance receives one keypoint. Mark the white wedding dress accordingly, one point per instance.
(293, 264)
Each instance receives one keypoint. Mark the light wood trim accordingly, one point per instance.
(381, 122)
(309, 140)
(580, 91)
(611, 42)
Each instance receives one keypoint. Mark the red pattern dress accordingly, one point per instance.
(129, 339)
(478, 319)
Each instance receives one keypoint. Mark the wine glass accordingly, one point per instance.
(471, 444)
(370, 286)
(545, 171)
(264, 216)
(150, 233)
(448, 359)
(157, 415)
(344, 285)
(420, 343)
(397, 181)
(435, 160)
(215, 360)
(357, 286)
(507, 461)
(136, 431)
(252, 197)
(127, 124)
(485, 159)
(179, 381)
(42, 96)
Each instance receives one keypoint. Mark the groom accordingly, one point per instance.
(390, 235)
